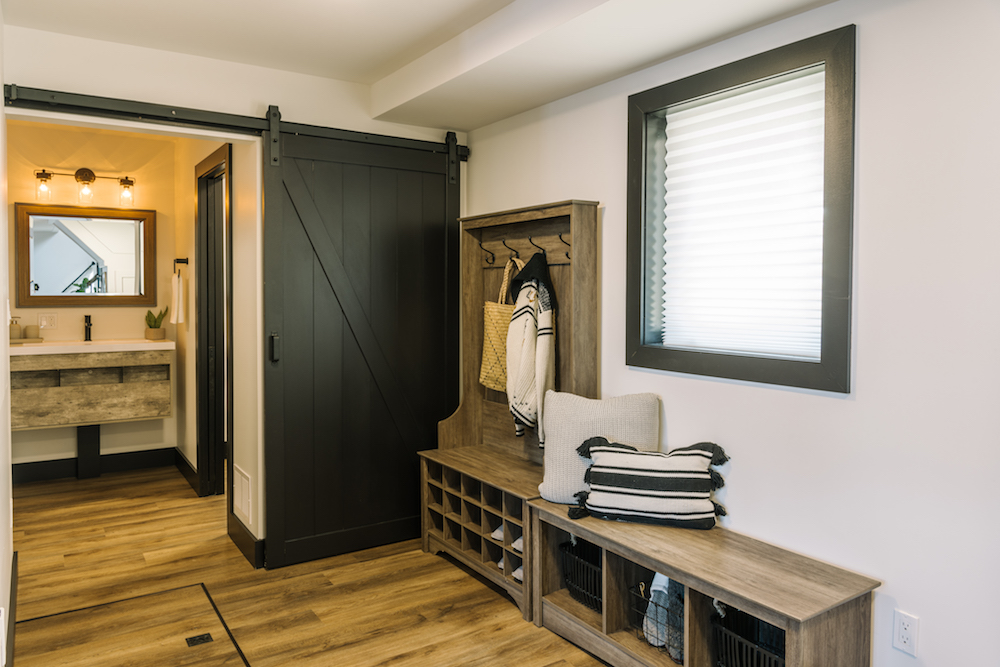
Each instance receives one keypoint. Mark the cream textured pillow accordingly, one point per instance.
(570, 420)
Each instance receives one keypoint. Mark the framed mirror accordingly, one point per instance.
(82, 256)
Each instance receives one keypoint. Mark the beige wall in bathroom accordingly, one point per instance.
(154, 162)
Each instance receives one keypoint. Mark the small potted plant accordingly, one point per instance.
(154, 325)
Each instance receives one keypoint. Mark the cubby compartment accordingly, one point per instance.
(493, 555)
(472, 516)
(513, 536)
(453, 506)
(452, 479)
(472, 543)
(493, 498)
(491, 522)
(434, 472)
(471, 488)
(453, 532)
(512, 563)
(435, 498)
(513, 507)
(436, 526)
(739, 638)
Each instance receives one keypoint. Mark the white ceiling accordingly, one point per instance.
(454, 64)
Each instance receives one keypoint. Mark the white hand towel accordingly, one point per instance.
(498, 534)
(177, 299)
(518, 545)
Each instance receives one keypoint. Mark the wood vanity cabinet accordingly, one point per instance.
(52, 390)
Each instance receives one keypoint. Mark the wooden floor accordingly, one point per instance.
(85, 543)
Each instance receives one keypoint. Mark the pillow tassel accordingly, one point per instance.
(719, 455)
(584, 449)
(717, 481)
(719, 509)
(580, 511)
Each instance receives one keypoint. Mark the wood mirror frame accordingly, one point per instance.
(22, 238)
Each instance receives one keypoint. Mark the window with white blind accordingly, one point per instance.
(739, 218)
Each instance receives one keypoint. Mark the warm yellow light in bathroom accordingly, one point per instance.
(42, 190)
(127, 197)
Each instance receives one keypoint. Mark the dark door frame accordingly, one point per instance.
(214, 356)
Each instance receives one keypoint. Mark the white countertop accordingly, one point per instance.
(78, 346)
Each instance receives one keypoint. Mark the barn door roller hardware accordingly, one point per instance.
(274, 120)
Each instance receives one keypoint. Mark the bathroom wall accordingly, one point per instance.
(152, 161)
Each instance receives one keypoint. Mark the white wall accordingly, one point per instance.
(894, 480)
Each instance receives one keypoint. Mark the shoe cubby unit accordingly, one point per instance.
(822, 611)
(474, 507)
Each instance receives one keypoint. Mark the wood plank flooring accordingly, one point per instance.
(148, 630)
(92, 542)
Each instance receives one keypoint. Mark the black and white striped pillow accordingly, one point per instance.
(672, 489)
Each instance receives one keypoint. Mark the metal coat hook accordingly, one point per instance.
(536, 245)
(567, 245)
(492, 258)
(516, 253)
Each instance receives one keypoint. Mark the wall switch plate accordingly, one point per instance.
(904, 632)
(47, 321)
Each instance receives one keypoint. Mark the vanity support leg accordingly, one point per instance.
(88, 451)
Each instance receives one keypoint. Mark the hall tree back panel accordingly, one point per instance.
(567, 231)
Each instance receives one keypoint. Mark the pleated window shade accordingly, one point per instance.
(742, 262)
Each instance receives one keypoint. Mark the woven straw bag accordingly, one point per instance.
(496, 320)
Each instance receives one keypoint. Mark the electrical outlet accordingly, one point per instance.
(904, 635)
(47, 321)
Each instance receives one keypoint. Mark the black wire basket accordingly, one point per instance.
(658, 623)
(741, 640)
(581, 566)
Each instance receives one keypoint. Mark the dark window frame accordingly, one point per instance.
(832, 373)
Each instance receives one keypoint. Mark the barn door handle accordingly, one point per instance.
(275, 347)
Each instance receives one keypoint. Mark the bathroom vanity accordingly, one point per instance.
(86, 384)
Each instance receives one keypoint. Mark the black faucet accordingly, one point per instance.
(86, 327)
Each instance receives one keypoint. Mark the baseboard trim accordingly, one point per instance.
(43, 471)
(190, 474)
(251, 548)
(12, 611)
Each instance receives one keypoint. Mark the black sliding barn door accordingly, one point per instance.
(361, 312)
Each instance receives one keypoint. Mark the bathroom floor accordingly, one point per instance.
(96, 557)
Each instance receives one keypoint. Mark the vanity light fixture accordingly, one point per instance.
(42, 190)
(86, 178)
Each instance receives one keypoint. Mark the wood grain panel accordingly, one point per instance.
(75, 377)
(82, 405)
(34, 362)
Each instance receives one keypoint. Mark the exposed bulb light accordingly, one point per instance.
(127, 197)
(85, 177)
(42, 190)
